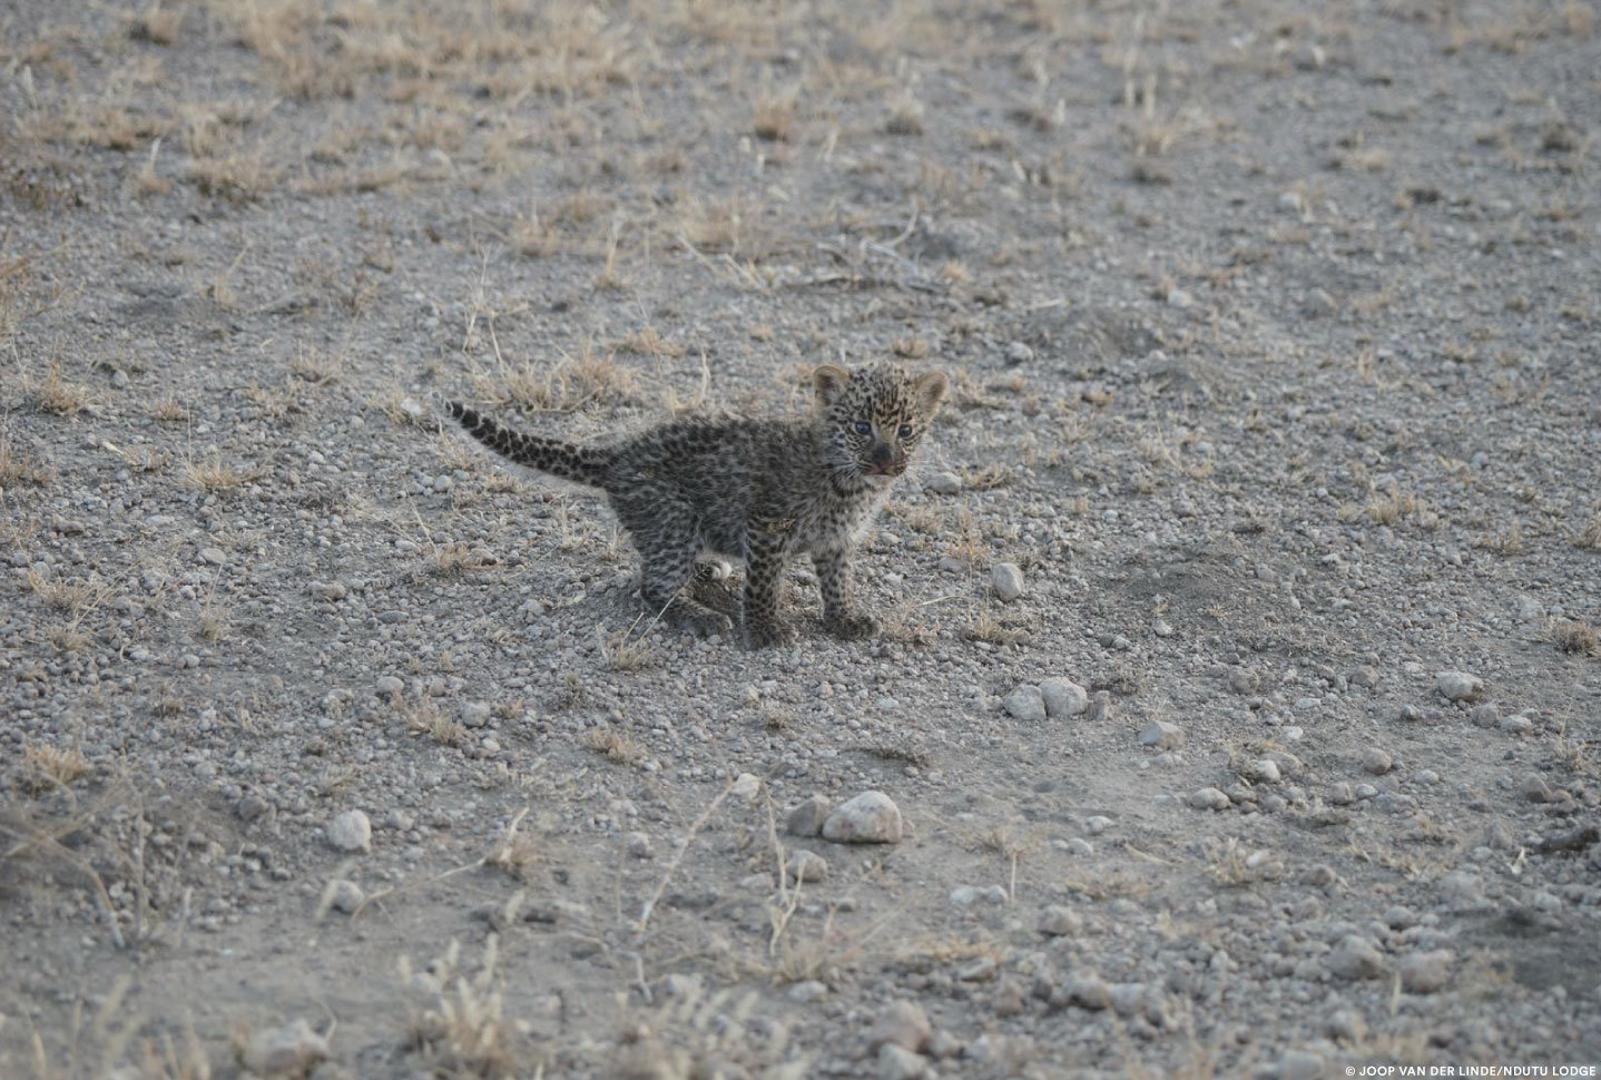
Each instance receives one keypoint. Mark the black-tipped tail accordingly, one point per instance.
(581, 464)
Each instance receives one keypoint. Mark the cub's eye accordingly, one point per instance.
(906, 431)
(863, 427)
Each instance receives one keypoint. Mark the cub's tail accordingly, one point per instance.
(582, 464)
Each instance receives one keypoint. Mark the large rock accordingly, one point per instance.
(1064, 697)
(1026, 703)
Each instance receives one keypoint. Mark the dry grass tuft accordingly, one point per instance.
(515, 852)
(54, 394)
(48, 768)
(573, 384)
(461, 1031)
(1506, 542)
(622, 653)
(1575, 636)
(615, 746)
(986, 627)
(213, 474)
(18, 467)
(1589, 537)
(425, 717)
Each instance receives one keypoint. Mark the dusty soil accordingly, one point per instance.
(1273, 332)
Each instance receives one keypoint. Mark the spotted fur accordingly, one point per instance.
(761, 491)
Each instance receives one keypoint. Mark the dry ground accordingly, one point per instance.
(1273, 330)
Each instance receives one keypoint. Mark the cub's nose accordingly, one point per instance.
(882, 457)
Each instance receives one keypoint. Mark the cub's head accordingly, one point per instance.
(874, 417)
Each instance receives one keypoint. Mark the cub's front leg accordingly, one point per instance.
(833, 579)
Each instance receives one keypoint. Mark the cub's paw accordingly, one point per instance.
(852, 626)
(769, 632)
(707, 623)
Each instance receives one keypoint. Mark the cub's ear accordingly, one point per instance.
(929, 390)
(830, 382)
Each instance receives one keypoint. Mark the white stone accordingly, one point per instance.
(1459, 685)
(350, 831)
(1006, 578)
(1026, 703)
(870, 818)
(1162, 735)
(1064, 697)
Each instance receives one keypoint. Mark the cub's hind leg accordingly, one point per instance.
(667, 565)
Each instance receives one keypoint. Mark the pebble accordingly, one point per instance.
(214, 556)
(807, 818)
(895, 1063)
(1486, 715)
(345, 895)
(1459, 685)
(1078, 847)
(1517, 725)
(807, 992)
(1355, 957)
(1426, 972)
(1462, 890)
(1535, 789)
(475, 714)
(291, 1050)
(1100, 707)
(746, 786)
(1006, 578)
(1019, 352)
(350, 831)
(903, 1024)
(807, 866)
(1209, 798)
(944, 483)
(1377, 761)
(1087, 991)
(1265, 771)
(389, 685)
(1059, 921)
(1026, 703)
(1097, 824)
(1162, 735)
(968, 895)
(870, 818)
(1063, 697)
(1300, 1065)
(637, 844)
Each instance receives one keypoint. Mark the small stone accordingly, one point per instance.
(903, 1024)
(1377, 761)
(1087, 991)
(1425, 972)
(1100, 707)
(1179, 298)
(350, 831)
(119, 379)
(1535, 789)
(291, 1050)
(1006, 578)
(1487, 715)
(1300, 1065)
(1018, 352)
(1265, 771)
(1026, 703)
(1097, 824)
(807, 818)
(1347, 1025)
(637, 845)
(1063, 697)
(1078, 847)
(214, 556)
(944, 483)
(968, 895)
(1162, 735)
(389, 685)
(807, 992)
(1517, 725)
(870, 818)
(475, 714)
(345, 896)
(1399, 918)
(746, 786)
(895, 1063)
(807, 866)
(1462, 890)
(1209, 798)
(252, 807)
(1459, 685)
(1059, 921)
(1355, 957)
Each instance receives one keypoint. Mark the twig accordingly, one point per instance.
(678, 857)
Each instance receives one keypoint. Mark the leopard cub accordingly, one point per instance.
(758, 490)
